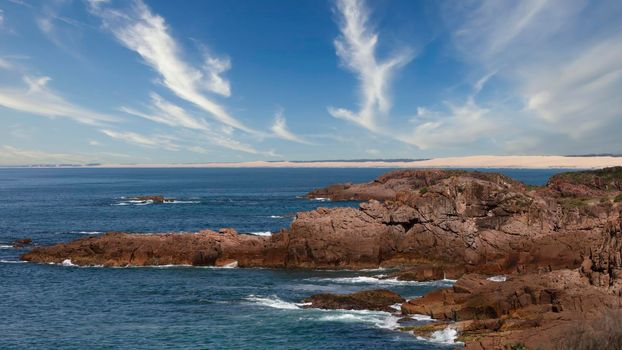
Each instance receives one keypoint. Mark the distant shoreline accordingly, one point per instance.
(518, 162)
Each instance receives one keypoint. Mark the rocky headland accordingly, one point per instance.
(532, 263)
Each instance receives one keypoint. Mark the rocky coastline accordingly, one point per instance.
(531, 263)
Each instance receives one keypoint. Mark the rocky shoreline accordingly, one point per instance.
(558, 248)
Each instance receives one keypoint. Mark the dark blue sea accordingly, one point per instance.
(65, 307)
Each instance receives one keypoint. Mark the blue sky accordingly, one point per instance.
(200, 81)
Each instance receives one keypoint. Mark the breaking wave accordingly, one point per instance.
(67, 262)
(379, 319)
(149, 201)
(378, 280)
(273, 302)
(266, 233)
(446, 336)
(2, 261)
(500, 278)
(6, 246)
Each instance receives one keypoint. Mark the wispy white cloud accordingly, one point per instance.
(10, 155)
(64, 32)
(37, 98)
(214, 67)
(562, 59)
(356, 47)
(4, 64)
(147, 34)
(280, 130)
(457, 125)
(154, 141)
(167, 113)
(463, 124)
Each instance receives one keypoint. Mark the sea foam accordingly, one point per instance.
(378, 280)
(67, 262)
(273, 302)
(500, 278)
(2, 261)
(265, 234)
(446, 336)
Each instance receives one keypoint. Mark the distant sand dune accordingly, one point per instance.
(531, 162)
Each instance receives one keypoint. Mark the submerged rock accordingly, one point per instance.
(19, 243)
(377, 300)
(154, 199)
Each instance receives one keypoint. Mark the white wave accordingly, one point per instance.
(273, 301)
(276, 217)
(376, 280)
(6, 246)
(266, 234)
(321, 199)
(67, 262)
(149, 201)
(87, 232)
(500, 278)
(420, 317)
(231, 265)
(446, 336)
(379, 319)
(12, 261)
(397, 307)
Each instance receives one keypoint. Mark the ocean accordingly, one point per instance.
(173, 307)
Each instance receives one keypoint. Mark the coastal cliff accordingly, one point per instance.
(557, 247)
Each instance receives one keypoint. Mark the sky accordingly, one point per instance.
(156, 81)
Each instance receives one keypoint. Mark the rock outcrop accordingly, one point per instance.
(535, 310)
(481, 222)
(20, 243)
(377, 300)
(154, 199)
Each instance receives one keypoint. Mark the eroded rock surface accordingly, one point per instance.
(377, 299)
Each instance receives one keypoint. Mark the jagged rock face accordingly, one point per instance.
(487, 222)
(377, 299)
(587, 183)
(603, 266)
(387, 186)
(534, 309)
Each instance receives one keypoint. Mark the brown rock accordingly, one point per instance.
(154, 199)
(19, 243)
(428, 272)
(377, 299)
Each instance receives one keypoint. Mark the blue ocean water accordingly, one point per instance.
(46, 306)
